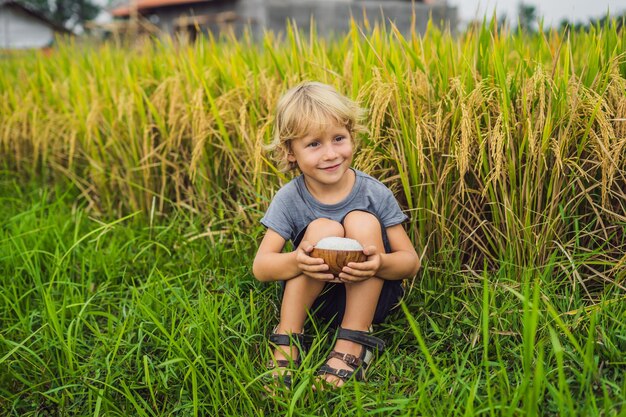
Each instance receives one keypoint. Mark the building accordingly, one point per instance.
(331, 16)
(22, 27)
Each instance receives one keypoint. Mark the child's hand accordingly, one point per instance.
(312, 267)
(360, 271)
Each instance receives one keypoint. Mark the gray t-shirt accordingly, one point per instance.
(293, 206)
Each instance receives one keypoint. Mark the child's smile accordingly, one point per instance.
(332, 168)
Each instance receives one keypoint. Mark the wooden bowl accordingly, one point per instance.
(337, 259)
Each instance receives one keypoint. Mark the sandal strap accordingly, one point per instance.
(358, 364)
(281, 363)
(284, 379)
(300, 341)
(362, 338)
(343, 374)
(346, 358)
(288, 339)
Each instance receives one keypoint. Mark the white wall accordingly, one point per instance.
(19, 30)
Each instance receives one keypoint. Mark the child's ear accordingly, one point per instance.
(290, 156)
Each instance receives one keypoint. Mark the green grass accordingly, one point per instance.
(153, 315)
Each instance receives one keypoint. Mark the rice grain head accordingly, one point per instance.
(463, 150)
(380, 93)
(201, 121)
(419, 146)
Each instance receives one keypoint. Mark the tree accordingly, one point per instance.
(67, 13)
(619, 20)
(526, 15)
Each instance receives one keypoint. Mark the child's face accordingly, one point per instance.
(324, 157)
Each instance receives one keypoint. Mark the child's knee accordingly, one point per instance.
(360, 220)
(322, 227)
(364, 227)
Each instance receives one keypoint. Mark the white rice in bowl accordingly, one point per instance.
(338, 243)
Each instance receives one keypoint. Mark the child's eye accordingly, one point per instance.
(314, 144)
(339, 138)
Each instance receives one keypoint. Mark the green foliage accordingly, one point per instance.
(527, 17)
(148, 316)
(66, 13)
(619, 21)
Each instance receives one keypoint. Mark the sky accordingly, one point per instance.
(553, 11)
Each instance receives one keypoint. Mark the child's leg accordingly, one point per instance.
(300, 292)
(361, 297)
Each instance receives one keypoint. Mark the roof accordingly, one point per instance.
(28, 9)
(145, 5)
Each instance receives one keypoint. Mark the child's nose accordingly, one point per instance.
(330, 152)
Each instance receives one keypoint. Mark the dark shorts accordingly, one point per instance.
(331, 303)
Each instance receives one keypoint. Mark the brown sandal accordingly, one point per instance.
(358, 364)
(301, 341)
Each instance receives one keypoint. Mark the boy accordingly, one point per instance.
(315, 132)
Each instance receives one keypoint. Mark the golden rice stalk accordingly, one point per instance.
(463, 152)
(476, 102)
(348, 62)
(496, 154)
(534, 107)
(442, 121)
(620, 118)
(419, 146)
(616, 96)
(604, 136)
(380, 94)
(558, 150)
(200, 128)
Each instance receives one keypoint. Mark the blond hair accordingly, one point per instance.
(309, 108)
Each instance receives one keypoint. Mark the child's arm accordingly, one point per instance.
(402, 262)
(270, 264)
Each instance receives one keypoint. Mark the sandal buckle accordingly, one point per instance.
(343, 373)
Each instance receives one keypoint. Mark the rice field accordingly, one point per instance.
(132, 179)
